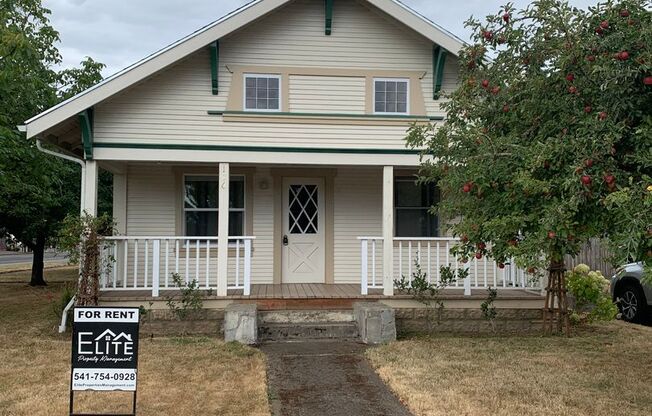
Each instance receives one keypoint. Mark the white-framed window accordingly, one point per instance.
(262, 92)
(412, 202)
(391, 95)
(201, 205)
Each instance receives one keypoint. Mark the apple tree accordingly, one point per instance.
(548, 139)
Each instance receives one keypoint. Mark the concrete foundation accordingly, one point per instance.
(376, 322)
(241, 323)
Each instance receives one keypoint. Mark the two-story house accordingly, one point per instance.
(264, 155)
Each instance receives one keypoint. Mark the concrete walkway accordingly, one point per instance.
(326, 378)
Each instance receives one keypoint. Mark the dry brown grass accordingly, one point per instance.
(605, 370)
(177, 376)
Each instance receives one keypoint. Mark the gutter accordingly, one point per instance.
(81, 163)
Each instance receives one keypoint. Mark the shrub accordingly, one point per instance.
(67, 293)
(190, 298)
(591, 292)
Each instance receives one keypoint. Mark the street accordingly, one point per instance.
(21, 258)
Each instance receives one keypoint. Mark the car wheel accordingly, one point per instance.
(631, 303)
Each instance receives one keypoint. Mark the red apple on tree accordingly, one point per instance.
(570, 77)
(647, 81)
(604, 24)
(552, 235)
(501, 265)
(485, 83)
(624, 13)
(506, 17)
(602, 115)
(467, 187)
(588, 109)
(586, 180)
(572, 89)
(588, 163)
(478, 255)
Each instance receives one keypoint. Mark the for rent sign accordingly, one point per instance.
(105, 348)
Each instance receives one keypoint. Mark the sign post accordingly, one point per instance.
(104, 351)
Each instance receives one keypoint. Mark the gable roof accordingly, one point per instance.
(202, 38)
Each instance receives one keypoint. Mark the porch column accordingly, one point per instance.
(388, 230)
(223, 230)
(89, 195)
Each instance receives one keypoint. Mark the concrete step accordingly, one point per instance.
(306, 316)
(307, 331)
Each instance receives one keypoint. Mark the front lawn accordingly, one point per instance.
(604, 370)
(180, 376)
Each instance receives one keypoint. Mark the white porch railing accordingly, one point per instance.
(431, 254)
(147, 263)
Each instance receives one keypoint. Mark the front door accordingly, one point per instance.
(303, 230)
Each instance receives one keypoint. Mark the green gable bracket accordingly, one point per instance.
(215, 65)
(329, 17)
(86, 125)
(438, 63)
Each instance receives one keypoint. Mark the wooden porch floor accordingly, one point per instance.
(314, 291)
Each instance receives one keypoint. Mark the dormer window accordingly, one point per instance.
(391, 96)
(262, 92)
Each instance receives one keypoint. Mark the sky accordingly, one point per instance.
(121, 32)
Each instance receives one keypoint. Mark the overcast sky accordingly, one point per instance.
(120, 32)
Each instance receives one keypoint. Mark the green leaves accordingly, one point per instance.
(548, 122)
(36, 190)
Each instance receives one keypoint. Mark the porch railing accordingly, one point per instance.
(148, 263)
(431, 254)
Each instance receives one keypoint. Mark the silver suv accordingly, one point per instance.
(633, 297)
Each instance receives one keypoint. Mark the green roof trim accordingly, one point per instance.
(438, 63)
(324, 115)
(215, 65)
(267, 149)
(329, 17)
(86, 125)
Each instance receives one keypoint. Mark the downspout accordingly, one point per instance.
(82, 163)
(64, 314)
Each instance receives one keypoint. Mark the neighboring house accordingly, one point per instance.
(292, 114)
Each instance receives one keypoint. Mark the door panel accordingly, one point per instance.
(303, 230)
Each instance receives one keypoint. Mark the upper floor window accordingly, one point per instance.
(200, 205)
(262, 92)
(412, 203)
(391, 96)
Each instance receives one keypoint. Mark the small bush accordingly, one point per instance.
(58, 305)
(591, 292)
(190, 299)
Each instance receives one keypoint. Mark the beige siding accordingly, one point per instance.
(321, 94)
(358, 213)
(172, 107)
(151, 201)
(262, 259)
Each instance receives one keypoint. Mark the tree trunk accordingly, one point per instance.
(37, 262)
(555, 311)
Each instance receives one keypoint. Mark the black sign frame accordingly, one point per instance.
(132, 328)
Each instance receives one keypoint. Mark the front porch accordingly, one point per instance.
(292, 232)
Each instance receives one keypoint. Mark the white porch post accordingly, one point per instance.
(120, 214)
(388, 230)
(223, 230)
(89, 201)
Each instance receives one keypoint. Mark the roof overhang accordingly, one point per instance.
(202, 38)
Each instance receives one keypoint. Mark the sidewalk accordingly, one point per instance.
(326, 378)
